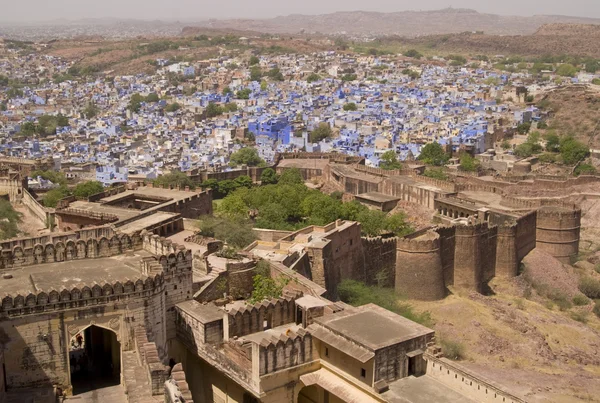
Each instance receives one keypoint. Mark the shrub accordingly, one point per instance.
(590, 287)
(520, 304)
(560, 299)
(357, 293)
(580, 316)
(580, 300)
(453, 350)
(584, 169)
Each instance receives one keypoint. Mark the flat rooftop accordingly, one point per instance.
(156, 218)
(204, 313)
(377, 197)
(173, 194)
(120, 212)
(374, 327)
(73, 273)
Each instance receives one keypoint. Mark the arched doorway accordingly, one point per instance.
(95, 359)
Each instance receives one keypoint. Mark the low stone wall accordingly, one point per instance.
(463, 381)
(35, 207)
(177, 389)
(269, 235)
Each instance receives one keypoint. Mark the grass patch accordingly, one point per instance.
(580, 316)
(590, 287)
(357, 293)
(520, 304)
(580, 300)
(453, 350)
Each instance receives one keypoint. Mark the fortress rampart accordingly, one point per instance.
(419, 272)
(557, 232)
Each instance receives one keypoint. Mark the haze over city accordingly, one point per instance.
(189, 10)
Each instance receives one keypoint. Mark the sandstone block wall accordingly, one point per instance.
(252, 318)
(419, 272)
(380, 260)
(557, 232)
(470, 256)
(275, 354)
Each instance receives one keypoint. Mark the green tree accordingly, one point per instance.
(313, 77)
(52, 197)
(435, 173)
(236, 233)
(389, 160)
(566, 70)
(56, 177)
(349, 77)
(433, 154)
(524, 150)
(245, 156)
(91, 110)
(264, 85)
(505, 145)
(372, 222)
(86, 189)
(253, 60)
(212, 110)
(350, 106)
(175, 179)
(397, 224)
(468, 163)
(585, 169)
(573, 151)
(291, 176)
(266, 288)
(321, 132)
(275, 74)
(174, 107)
(269, 177)
(321, 208)
(152, 97)
(9, 220)
(135, 103)
(230, 107)
(415, 54)
(227, 91)
(552, 142)
(244, 94)
(524, 128)
(592, 66)
(255, 73)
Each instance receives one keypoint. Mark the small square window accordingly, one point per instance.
(363, 373)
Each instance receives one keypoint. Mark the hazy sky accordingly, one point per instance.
(36, 10)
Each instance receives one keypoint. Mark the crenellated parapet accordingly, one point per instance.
(41, 250)
(427, 244)
(80, 296)
(287, 350)
(246, 319)
(158, 245)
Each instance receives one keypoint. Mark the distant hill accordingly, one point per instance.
(404, 23)
(550, 39)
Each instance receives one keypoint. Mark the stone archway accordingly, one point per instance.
(94, 358)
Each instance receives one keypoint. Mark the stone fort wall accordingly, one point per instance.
(36, 329)
(557, 232)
